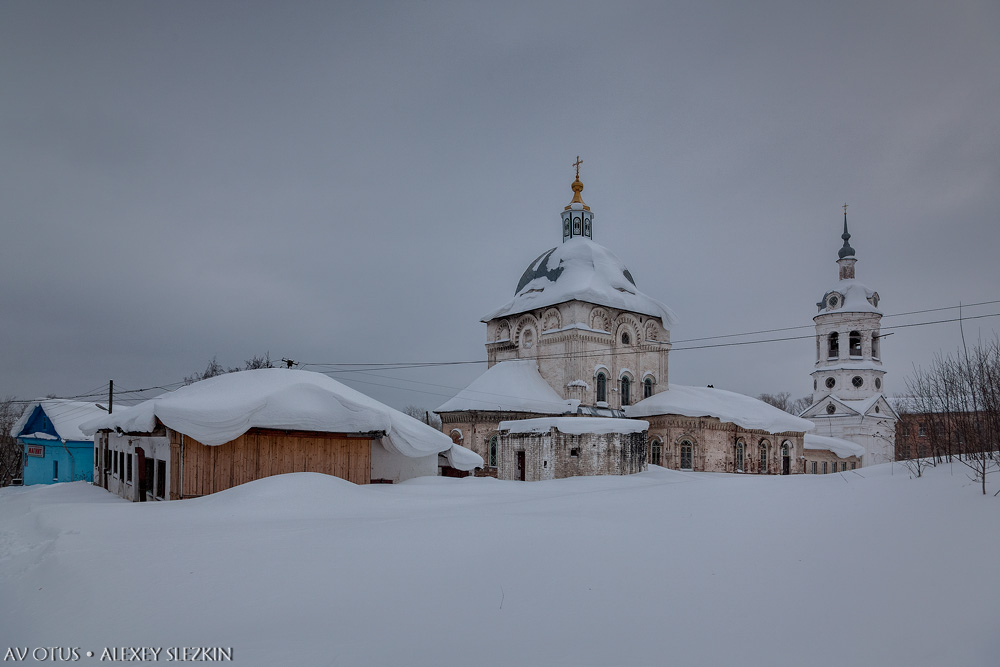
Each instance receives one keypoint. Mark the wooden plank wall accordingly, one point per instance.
(260, 453)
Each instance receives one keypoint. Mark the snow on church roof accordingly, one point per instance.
(840, 447)
(854, 298)
(220, 409)
(512, 386)
(726, 406)
(580, 270)
(65, 415)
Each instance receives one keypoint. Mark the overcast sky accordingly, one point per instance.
(361, 182)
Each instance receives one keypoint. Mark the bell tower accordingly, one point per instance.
(577, 218)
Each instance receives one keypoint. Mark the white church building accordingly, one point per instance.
(582, 353)
(848, 377)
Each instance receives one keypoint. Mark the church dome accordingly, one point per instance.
(580, 270)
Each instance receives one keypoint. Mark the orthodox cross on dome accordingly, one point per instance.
(577, 188)
(577, 218)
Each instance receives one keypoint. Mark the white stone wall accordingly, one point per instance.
(568, 356)
(876, 434)
(840, 367)
(154, 446)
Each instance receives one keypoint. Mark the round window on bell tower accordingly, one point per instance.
(857, 380)
(830, 382)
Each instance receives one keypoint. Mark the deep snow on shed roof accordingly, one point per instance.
(222, 408)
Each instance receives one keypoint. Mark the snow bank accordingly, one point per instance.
(724, 405)
(66, 417)
(512, 386)
(575, 425)
(220, 409)
(581, 270)
(840, 447)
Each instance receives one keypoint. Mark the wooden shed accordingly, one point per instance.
(229, 430)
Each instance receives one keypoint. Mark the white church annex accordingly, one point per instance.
(580, 341)
(848, 378)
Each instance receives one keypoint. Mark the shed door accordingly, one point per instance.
(520, 465)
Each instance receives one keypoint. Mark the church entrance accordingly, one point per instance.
(519, 473)
(786, 460)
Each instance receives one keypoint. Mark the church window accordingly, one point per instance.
(576, 225)
(602, 388)
(875, 345)
(626, 340)
(814, 467)
(655, 452)
(575, 452)
(843, 466)
(817, 348)
(528, 339)
(566, 228)
(647, 387)
(814, 384)
(626, 386)
(493, 451)
(687, 450)
(833, 346)
(830, 383)
(854, 464)
(586, 228)
(763, 457)
(824, 467)
(876, 409)
(834, 301)
(878, 383)
(740, 450)
(830, 408)
(855, 341)
(857, 381)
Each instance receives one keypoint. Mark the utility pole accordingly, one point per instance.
(111, 394)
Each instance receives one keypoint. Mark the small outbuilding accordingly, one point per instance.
(54, 449)
(558, 447)
(239, 427)
(825, 454)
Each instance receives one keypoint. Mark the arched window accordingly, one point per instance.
(833, 346)
(602, 388)
(875, 345)
(626, 390)
(817, 348)
(740, 452)
(762, 468)
(626, 339)
(647, 387)
(655, 451)
(855, 340)
(687, 455)
(494, 442)
(786, 458)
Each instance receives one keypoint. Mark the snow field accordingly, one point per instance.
(664, 567)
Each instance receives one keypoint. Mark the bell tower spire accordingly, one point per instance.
(846, 258)
(577, 218)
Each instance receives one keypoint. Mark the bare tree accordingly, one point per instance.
(11, 465)
(956, 403)
(421, 414)
(215, 368)
(783, 401)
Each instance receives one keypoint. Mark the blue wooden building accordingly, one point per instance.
(54, 448)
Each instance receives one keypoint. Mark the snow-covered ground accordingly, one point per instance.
(664, 567)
